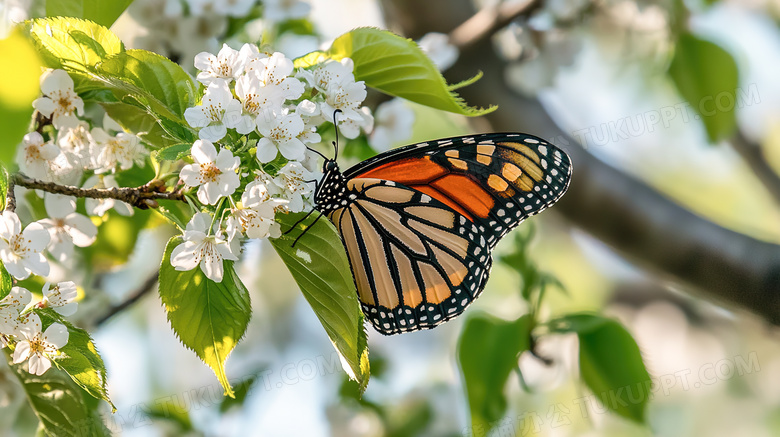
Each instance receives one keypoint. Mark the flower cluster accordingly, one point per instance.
(279, 110)
(67, 150)
(21, 327)
(74, 150)
(262, 94)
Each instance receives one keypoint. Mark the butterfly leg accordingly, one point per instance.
(299, 222)
(309, 227)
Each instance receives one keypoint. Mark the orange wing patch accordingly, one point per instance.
(410, 171)
(466, 192)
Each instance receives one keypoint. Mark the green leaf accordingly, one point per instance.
(154, 81)
(3, 187)
(488, 351)
(100, 11)
(397, 66)
(175, 152)
(610, 363)
(6, 282)
(72, 43)
(20, 68)
(59, 403)
(707, 77)
(136, 119)
(319, 265)
(79, 358)
(208, 317)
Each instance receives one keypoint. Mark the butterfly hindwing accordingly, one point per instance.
(416, 262)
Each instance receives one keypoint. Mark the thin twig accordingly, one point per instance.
(147, 287)
(490, 20)
(143, 197)
(753, 156)
(10, 198)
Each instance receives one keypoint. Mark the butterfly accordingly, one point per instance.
(419, 222)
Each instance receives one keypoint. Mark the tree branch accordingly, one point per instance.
(620, 210)
(147, 287)
(143, 197)
(490, 20)
(753, 156)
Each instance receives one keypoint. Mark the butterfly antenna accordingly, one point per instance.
(317, 152)
(336, 143)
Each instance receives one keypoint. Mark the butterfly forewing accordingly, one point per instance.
(419, 222)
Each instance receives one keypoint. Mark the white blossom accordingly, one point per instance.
(201, 248)
(77, 145)
(214, 173)
(437, 46)
(36, 158)
(276, 70)
(21, 250)
(210, 116)
(348, 96)
(350, 127)
(98, 207)
(331, 73)
(255, 99)
(10, 308)
(66, 227)
(393, 122)
(61, 297)
(310, 113)
(225, 66)
(60, 101)
(282, 10)
(280, 133)
(254, 217)
(294, 183)
(38, 347)
(111, 151)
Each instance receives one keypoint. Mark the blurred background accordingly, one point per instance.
(671, 225)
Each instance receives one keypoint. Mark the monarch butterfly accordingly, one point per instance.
(419, 222)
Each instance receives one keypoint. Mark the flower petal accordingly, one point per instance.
(226, 161)
(37, 236)
(184, 258)
(38, 264)
(81, 230)
(22, 351)
(214, 132)
(38, 364)
(292, 149)
(212, 267)
(59, 206)
(16, 268)
(190, 175)
(195, 116)
(56, 335)
(204, 152)
(266, 150)
(44, 105)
